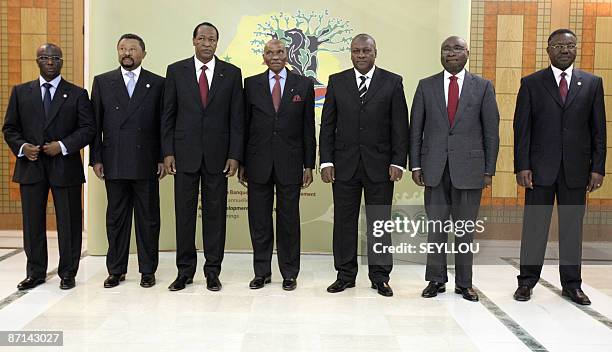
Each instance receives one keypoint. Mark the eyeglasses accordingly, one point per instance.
(55, 59)
(563, 46)
(455, 49)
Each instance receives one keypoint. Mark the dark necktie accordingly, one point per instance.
(362, 87)
(47, 99)
(203, 83)
(563, 87)
(453, 99)
(276, 93)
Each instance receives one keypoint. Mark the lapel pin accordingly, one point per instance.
(65, 95)
(220, 74)
(579, 83)
(148, 85)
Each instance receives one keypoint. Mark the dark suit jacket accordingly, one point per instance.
(128, 140)
(71, 122)
(283, 141)
(189, 131)
(469, 147)
(375, 131)
(548, 132)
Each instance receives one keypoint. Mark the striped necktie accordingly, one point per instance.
(362, 87)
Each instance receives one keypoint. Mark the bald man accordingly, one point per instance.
(280, 149)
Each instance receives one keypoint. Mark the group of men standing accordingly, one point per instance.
(200, 125)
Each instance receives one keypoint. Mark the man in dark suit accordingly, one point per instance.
(363, 147)
(202, 140)
(48, 121)
(559, 152)
(280, 150)
(126, 155)
(454, 141)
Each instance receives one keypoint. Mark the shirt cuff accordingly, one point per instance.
(415, 168)
(64, 150)
(399, 167)
(21, 151)
(324, 165)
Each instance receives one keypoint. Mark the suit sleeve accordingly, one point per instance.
(160, 110)
(598, 131)
(310, 142)
(327, 133)
(417, 123)
(236, 147)
(489, 117)
(95, 149)
(169, 111)
(522, 129)
(12, 129)
(399, 126)
(86, 126)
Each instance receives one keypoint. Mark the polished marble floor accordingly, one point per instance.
(130, 318)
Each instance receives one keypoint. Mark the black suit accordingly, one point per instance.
(201, 140)
(562, 143)
(279, 146)
(70, 121)
(362, 140)
(128, 145)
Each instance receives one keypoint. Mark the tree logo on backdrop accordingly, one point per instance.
(305, 35)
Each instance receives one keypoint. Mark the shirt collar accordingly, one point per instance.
(282, 74)
(209, 65)
(368, 75)
(136, 72)
(54, 82)
(459, 75)
(557, 72)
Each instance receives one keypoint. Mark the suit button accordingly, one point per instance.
(274, 133)
(138, 146)
(450, 133)
(565, 129)
(139, 129)
(362, 110)
(361, 128)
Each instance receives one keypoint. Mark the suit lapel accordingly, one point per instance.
(120, 90)
(351, 83)
(218, 77)
(464, 97)
(265, 92)
(574, 88)
(440, 98)
(550, 83)
(37, 104)
(190, 77)
(61, 94)
(141, 90)
(287, 91)
(376, 82)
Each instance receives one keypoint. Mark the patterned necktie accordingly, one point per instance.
(47, 99)
(131, 84)
(563, 87)
(276, 93)
(203, 83)
(453, 99)
(362, 87)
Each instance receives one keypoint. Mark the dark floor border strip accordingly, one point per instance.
(10, 254)
(585, 309)
(515, 328)
(18, 294)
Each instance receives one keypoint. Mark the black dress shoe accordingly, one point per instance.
(289, 284)
(67, 283)
(576, 295)
(113, 280)
(147, 280)
(522, 294)
(29, 283)
(259, 282)
(383, 289)
(432, 289)
(213, 283)
(180, 283)
(468, 293)
(339, 286)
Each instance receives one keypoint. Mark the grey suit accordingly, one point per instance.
(453, 159)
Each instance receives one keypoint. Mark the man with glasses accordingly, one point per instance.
(559, 152)
(454, 141)
(48, 121)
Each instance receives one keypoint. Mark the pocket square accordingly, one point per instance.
(297, 98)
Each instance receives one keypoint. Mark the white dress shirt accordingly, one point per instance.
(281, 81)
(210, 69)
(126, 78)
(568, 74)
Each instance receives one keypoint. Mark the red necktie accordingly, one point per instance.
(203, 83)
(453, 99)
(563, 87)
(276, 93)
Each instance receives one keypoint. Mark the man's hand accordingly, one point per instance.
(595, 182)
(170, 165)
(31, 151)
(231, 166)
(395, 173)
(524, 179)
(98, 169)
(328, 174)
(242, 177)
(52, 148)
(307, 178)
(417, 177)
(161, 170)
(488, 180)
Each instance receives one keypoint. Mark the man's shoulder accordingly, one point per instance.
(153, 76)
(228, 67)
(388, 75)
(181, 63)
